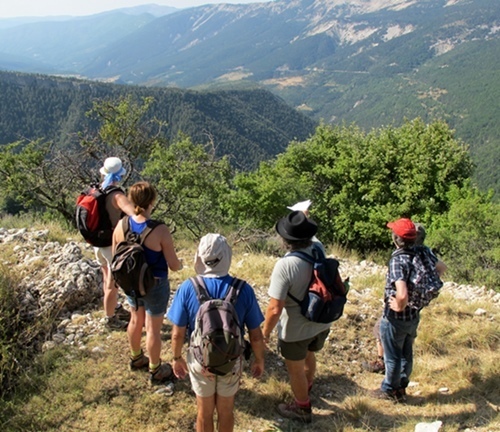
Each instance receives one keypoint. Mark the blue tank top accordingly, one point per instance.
(156, 260)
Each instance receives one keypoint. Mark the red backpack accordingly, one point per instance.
(92, 218)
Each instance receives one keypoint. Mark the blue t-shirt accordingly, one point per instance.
(185, 305)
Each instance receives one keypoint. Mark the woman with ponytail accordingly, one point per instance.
(149, 310)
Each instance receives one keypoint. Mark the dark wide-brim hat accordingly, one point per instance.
(296, 226)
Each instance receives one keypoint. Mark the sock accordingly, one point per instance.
(136, 354)
(303, 404)
(153, 367)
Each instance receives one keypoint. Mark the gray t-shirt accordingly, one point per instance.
(293, 274)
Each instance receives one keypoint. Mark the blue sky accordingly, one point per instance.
(22, 8)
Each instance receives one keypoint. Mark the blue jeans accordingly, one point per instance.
(397, 339)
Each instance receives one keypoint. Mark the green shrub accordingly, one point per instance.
(468, 237)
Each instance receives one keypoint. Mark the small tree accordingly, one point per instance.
(39, 176)
(192, 185)
(259, 198)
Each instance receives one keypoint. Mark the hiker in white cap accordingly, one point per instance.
(117, 204)
(215, 391)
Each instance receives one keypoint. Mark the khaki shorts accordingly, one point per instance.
(205, 384)
(298, 350)
(104, 255)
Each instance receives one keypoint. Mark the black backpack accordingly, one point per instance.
(129, 268)
(326, 294)
(92, 218)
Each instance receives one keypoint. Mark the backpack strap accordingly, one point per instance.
(151, 225)
(234, 290)
(301, 255)
(310, 260)
(203, 295)
(111, 189)
(200, 289)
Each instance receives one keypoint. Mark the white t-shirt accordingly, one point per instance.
(293, 274)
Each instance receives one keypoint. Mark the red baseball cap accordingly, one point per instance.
(403, 228)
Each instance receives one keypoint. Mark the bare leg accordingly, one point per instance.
(110, 292)
(153, 337)
(134, 329)
(298, 379)
(225, 413)
(205, 417)
(310, 366)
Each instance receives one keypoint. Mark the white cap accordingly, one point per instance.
(112, 165)
(301, 206)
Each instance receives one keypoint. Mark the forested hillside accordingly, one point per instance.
(373, 62)
(249, 126)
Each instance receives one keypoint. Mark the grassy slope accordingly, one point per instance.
(93, 390)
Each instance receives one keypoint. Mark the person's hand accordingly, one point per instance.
(395, 305)
(180, 368)
(257, 368)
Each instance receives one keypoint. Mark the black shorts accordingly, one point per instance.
(298, 350)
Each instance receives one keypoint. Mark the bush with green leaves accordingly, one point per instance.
(468, 237)
(359, 181)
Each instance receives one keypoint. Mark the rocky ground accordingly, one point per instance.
(66, 280)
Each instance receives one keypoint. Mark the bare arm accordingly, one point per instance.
(117, 236)
(167, 247)
(399, 302)
(121, 202)
(273, 313)
(178, 362)
(258, 347)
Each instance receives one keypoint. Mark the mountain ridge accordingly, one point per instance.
(332, 59)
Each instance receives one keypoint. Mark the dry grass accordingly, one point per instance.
(93, 390)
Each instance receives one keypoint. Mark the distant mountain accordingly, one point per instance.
(248, 125)
(370, 61)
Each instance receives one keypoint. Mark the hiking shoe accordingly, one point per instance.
(114, 323)
(376, 366)
(294, 412)
(393, 396)
(140, 362)
(122, 313)
(401, 395)
(161, 374)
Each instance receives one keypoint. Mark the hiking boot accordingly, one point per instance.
(161, 374)
(376, 366)
(140, 362)
(122, 313)
(294, 412)
(114, 323)
(393, 396)
(401, 395)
